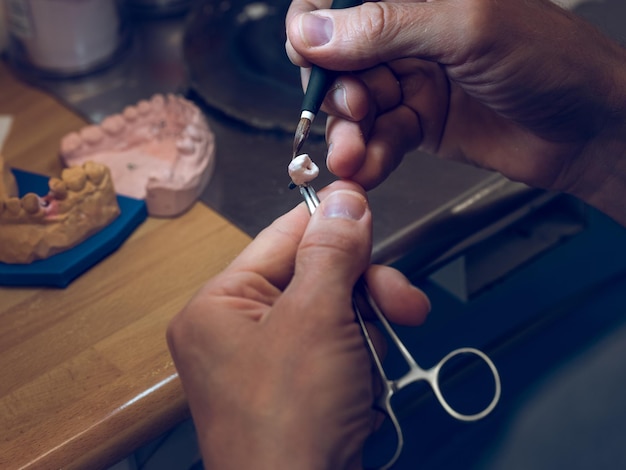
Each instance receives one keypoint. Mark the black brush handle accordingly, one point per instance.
(321, 79)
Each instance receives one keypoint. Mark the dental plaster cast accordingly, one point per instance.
(79, 204)
(302, 170)
(161, 150)
(8, 186)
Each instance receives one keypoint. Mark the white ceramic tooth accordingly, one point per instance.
(302, 169)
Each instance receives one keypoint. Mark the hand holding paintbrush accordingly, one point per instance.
(319, 83)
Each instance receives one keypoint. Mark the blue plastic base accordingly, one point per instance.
(61, 269)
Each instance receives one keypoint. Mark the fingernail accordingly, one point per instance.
(344, 205)
(330, 149)
(339, 99)
(316, 30)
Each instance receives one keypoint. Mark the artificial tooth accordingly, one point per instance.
(185, 146)
(144, 107)
(30, 203)
(13, 205)
(178, 103)
(94, 171)
(74, 178)
(71, 142)
(92, 134)
(193, 132)
(157, 101)
(113, 124)
(58, 188)
(130, 113)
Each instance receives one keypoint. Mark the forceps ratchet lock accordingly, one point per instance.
(362, 297)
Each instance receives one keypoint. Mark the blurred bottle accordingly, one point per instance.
(65, 37)
(3, 29)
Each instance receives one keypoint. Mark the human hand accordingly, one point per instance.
(269, 353)
(522, 87)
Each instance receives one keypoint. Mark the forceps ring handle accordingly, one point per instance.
(433, 378)
(415, 372)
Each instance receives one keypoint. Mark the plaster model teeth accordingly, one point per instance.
(94, 172)
(92, 134)
(58, 189)
(194, 132)
(157, 102)
(13, 205)
(113, 125)
(161, 150)
(130, 113)
(31, 203)
(302, 170)
(8, 185)
(72, 142)
(74, 178)
(144, 107)
(186, 146)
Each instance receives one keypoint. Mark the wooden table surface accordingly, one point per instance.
(85, 373)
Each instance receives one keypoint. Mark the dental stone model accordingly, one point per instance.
(161, 150)
(8, 187)
(302, 170)
(79, 204)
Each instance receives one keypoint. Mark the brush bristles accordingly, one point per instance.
(302, 132)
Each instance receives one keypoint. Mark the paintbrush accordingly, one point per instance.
(319, 83)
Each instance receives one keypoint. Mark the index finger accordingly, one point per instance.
(272, 253)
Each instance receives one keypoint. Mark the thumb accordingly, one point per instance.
(373, 33)
(335, 249)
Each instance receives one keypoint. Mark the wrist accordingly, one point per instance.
(604, 184)
(231, 447)
(601, 165)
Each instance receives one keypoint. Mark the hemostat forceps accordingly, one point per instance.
(361, 297)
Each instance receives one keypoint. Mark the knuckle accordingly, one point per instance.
(376, 23)
(480, 22)
(329, 250)
(184, 323)
(176, 331)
